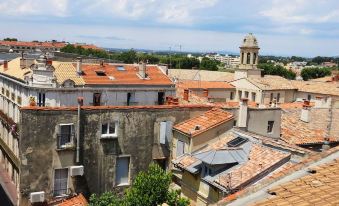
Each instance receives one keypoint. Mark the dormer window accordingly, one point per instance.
(100, 73)
(121, 68)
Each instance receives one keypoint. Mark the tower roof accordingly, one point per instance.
(250, 41)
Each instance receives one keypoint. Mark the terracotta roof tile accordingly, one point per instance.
(295, 131)
(260, 160)
(271, 82)
(187, 84)
(327, 88)
(78, 200)
(128, 76)
(320, 188)
(206, 121)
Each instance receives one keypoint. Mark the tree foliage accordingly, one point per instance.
(313, 73)
(209, 64)
(10, 39)
(271, 69)
(150, 188)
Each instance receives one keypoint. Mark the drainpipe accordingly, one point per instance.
(80, 103)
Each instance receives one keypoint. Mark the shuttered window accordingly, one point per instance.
(165, 132)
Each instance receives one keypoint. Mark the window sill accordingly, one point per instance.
(68, 147)
(109, 136)
(123, 185)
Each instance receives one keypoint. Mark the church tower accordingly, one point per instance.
(249, 58)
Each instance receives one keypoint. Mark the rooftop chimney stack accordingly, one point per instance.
(5, 65)
(305, 112)
(243, 110)
(142, 70)
(79, 65)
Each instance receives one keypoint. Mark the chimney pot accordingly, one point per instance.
(5, 65)
(243, 110)
(142, 70)
(186, 94)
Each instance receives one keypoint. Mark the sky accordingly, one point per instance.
(283, 27)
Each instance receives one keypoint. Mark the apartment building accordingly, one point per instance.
(46, 83)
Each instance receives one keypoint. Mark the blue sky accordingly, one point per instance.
(283, 27)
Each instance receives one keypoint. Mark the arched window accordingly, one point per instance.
(242, 58)
(254, 58)
(248, 58)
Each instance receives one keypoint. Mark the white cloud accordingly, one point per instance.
(302, 11)
(165, 11)
(34, 7)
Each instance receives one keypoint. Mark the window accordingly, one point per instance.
(13, 96)
(253, 96)
(242, 58)
(100, 73)
(41, 99)
(122, 171)
(109, 129)
(161, 98)
(60, 181)
(165, 132)
(248, 58)
(19, 100)
(96, 99)
(240, 94)
(271, 97)
(254, 58)
(3, 90)
(246, 94)
(309, 97)
(237, 142)
(270, 125)
(65, 136)
(232, 96)
(278, 97)
(120, 68)
(180, 148)
(130, 98)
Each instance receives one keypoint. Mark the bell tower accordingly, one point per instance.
(249, 58)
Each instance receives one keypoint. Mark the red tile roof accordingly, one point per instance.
(319, 188)
(205, 85)
(206, 121)
(295, 131)
(128, 76)
(46, 44)
(78, 200)
(74, 108)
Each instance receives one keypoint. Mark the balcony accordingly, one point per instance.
(66, 141)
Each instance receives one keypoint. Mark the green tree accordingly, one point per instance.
(128, 57)
(106, 199)
(10, 39)
(313, 73)
(150, 188)
(209, 64)
(271, 69)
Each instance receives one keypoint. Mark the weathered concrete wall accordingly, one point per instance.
(137, 132)
(258, 121)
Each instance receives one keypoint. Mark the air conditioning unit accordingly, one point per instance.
(76, 171)
(37, 197)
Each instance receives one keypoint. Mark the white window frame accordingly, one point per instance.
(67, 187)
(129, 171)
(108, 135)
(72, 132)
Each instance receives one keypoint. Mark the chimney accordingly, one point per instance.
(49, 62)
(5, 65)
(305, 112)
(79, 65)
(205, 93)
(243, 109)
(142, 70)
(186, 94)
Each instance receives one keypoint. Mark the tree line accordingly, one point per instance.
(175, 61)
